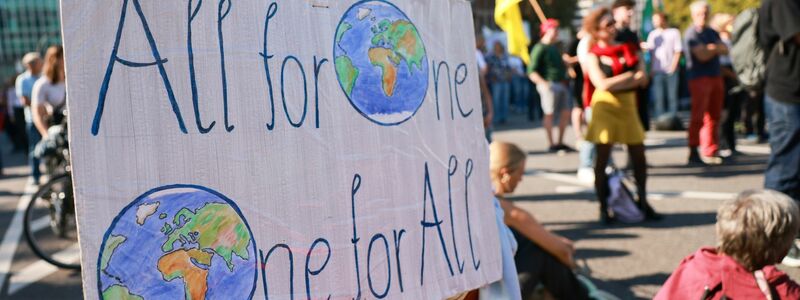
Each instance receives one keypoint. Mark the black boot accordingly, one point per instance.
(694, 157)
(649, 213)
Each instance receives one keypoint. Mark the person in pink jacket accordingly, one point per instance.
(754, 232)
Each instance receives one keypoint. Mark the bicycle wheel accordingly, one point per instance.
(50, 224)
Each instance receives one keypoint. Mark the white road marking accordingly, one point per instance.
(655, 142)
(656, 196)
(12, 236)
(570, 189)
(754, 149)
(41, 269)
(560, 178)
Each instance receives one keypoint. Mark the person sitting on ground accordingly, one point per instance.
(754, 232)
(542, 256)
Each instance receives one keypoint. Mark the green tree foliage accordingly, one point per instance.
(679, 15)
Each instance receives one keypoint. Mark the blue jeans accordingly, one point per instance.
(783, 168)
(586, 150)
(665, 88)
(521, 87)
(33, 138)
(501, 95)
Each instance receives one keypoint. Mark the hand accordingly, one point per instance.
(566, 252)
(713, 48)
(640, 77)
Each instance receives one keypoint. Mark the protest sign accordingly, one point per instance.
(236, 149)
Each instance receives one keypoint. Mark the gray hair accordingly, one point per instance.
(30, 57)
(699, 4)
(757, 228)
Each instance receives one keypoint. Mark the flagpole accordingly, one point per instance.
(539, 12)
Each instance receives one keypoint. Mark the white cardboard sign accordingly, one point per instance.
(233, 149)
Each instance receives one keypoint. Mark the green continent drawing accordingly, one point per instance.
(111, 245)
(347, 72)
(120, 292)
(403, 39)
(216, 227)
(341, 30)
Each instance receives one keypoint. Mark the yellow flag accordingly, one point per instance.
(509, 18)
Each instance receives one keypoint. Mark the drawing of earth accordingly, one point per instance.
(178, 242)
(380, 62)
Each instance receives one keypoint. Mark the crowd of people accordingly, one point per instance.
(33, 101)
(722, 107)
(739, 70)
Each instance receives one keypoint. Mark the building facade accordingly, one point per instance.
(25, 26)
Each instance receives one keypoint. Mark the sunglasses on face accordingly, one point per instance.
(606, 22)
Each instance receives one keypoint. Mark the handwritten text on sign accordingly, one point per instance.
(228, 149)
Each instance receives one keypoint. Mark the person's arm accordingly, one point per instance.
(18, 88)
(487, 103)
(524, 223)
(678, 49)
(39, 110)
(624, 81)
(676, 61)
(569, 60)
(700, 51)
(536, 78)
(483, 68)
(722, 49)
(536, 57)
(640, 77)
(705, 52)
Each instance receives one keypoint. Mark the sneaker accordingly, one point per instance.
(553, 149)
(793, 258)
(711, 160)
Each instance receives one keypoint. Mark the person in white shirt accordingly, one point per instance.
(49, 92)
(665, 48)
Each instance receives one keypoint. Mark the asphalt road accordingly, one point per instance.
(630, 261)
(22, 274)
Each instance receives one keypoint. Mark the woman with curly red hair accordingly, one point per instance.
(615, 72)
